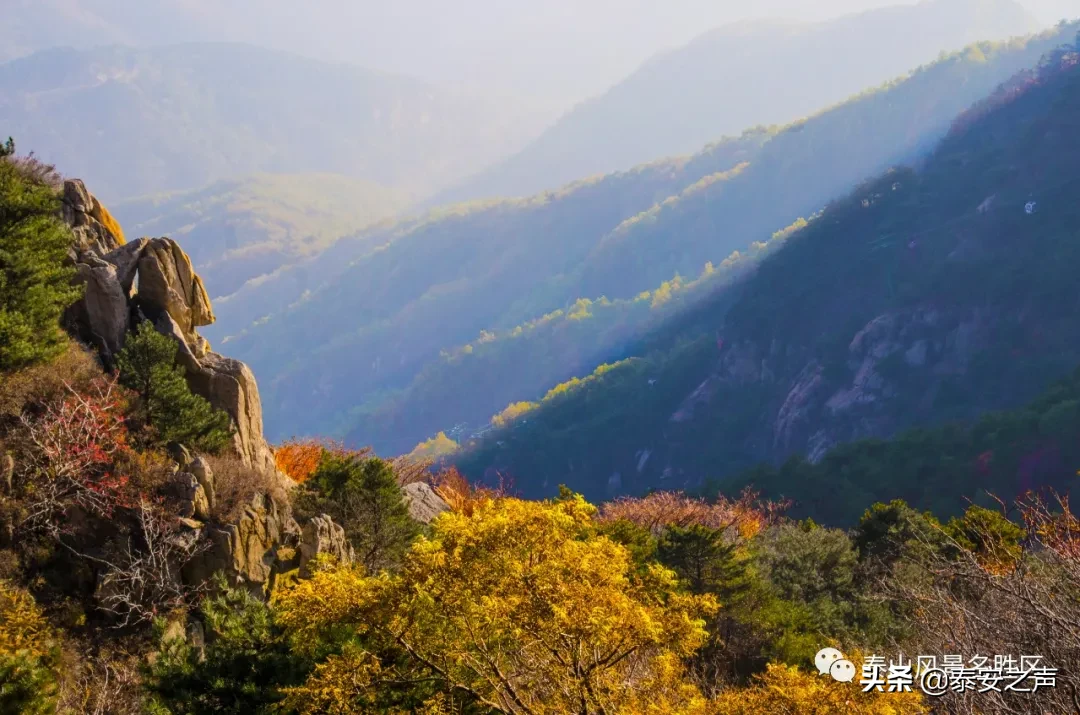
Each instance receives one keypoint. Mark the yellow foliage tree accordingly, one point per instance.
(785, 690)
(512, 412)
(438, 446)
(22, 625)
(517, 605)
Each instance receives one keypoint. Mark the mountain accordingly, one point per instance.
(237, 230)
(556, 53)
(739, 76)
(141, 121)
(930, 294)
(384, 331)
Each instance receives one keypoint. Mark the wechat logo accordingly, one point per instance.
(830, 661)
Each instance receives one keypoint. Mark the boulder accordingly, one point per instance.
(167, 282)
(323, 536)
(190, 497)
(424, 504)
(102, 314)
(179, 454)
(229, 385)
(205, 477)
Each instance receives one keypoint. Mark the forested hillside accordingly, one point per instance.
(140, 121)
(236, 230)
(401, 298)
(929, 294)
(766, 72)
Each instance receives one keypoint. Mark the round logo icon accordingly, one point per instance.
(825, 658)
(843, 671)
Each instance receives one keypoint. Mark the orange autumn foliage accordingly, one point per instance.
(299, 458)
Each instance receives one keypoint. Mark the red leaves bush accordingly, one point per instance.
(73, 447)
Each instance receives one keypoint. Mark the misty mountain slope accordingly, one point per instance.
(236, 230)
(352, 334)
(740, 76)
(140, 121)
(926, 295)
(433, 283)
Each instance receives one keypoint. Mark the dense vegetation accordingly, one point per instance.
(437, 283)
(682, 99)
(35, 286)
(927, 295)
(136, 121)
(237, 230)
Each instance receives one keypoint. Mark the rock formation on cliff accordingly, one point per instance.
(153, 278)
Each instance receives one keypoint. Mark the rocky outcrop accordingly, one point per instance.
(424, 504)
(322, 536)
(248, 552)
(798, 406)
(230, 385)
(167, 282)
(94, 233)
(154, 278)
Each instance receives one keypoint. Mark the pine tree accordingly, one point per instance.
(35, 284)
(363, 495)
(165, 402)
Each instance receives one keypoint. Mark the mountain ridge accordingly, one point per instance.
(920, 297)
(679, 100)
(142, 120)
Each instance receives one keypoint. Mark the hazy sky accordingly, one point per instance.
(559, 51)
(564, 50)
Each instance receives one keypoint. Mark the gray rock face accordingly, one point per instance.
(323, 536)
(102, 313)
(424, 504)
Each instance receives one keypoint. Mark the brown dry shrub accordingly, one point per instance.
(38, 171)
(23, 389)
(460, 494)
(747, 515)
(235, 484)
(147, 470)
(103, 678)
(410, 471)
